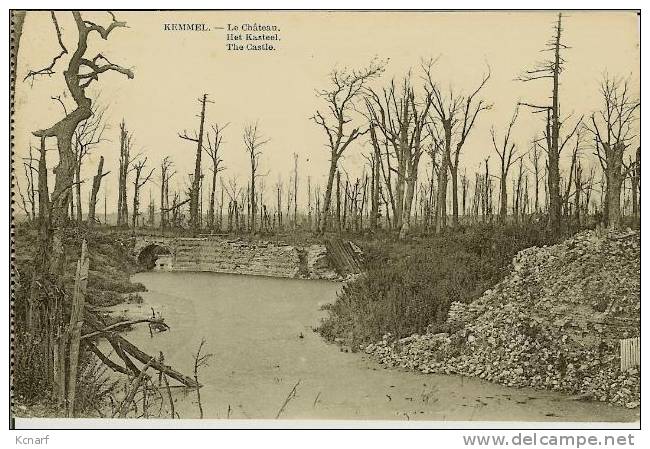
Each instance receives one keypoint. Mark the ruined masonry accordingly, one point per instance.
(257, 258)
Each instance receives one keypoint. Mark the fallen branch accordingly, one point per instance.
(123, 346)
(134, 351)
(176, 206)
(290, 396)
(124, 406)
(121, 354)
(116, 326)
(105, 360)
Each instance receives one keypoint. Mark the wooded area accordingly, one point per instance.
(398, 190)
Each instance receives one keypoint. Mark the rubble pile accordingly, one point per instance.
(553, 323)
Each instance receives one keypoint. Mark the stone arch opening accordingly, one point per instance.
(152, 257)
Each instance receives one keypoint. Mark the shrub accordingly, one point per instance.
(409, 286)
(30, 381)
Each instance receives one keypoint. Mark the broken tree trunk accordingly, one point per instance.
(97, 180)
(105, 360)
(142, 357)
(126, 403)
(76, 321)
(58, 341)
(122, 355)
(123, 347)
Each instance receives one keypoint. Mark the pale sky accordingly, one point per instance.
(173, 69)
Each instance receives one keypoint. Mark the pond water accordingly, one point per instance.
(260, 332)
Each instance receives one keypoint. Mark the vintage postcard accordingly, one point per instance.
(390, 218)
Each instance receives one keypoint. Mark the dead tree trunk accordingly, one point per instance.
(505, 151)
(578, 191)
(253, 143)
(613, 131)
(79, 74)
(213, 151)
(97, 180)
(338, 201)
(345, 89)
(443, 177)
(555, 208)
(125, 162)
(534, 158)
(518, 192)
(375, 160)
(76, 322)
(551, 69)
(615, 178)
(165, 176)
(196, 179)
(636, 181)
(295, 190)
(137, 185)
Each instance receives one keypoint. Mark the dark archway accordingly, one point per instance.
(149, 254)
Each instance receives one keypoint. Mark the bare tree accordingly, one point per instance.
(290, 198)
(97, 180)
(575, 161)
(505, 151)
(212, 148)
(29, 203)
(295, 190)
(464, 184)
(24, 202)
(278, 207)
(401, 115)
(551, 69)
(579, 187)
(152, 211)
(457, 115)
(374, 159)
(309, 209)
(126, 161)
(196, 180)
(614, 129)
(346, 86)
(636, 183)
(139, 181)
(233, 192)
(518, 191)
(434, 150)
(88, 134)
(534, 157)
(253, 143)
(78, 75)
(166, 174)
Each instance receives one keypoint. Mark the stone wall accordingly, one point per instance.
(238, 256)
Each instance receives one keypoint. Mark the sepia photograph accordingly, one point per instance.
(325, 218)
